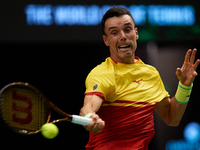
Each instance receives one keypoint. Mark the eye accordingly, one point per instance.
(114, 32)
(127, 29)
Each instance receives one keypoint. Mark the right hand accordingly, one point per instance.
(96, 126)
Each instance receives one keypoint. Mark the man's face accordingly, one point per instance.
(121, 36)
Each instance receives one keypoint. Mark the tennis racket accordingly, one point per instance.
(25, 109)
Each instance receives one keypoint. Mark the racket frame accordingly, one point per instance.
(72, 118)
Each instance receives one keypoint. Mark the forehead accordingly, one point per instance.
(118, 21)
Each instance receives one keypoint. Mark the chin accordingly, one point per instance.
(128, 55)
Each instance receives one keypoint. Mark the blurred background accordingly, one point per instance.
(53, 45)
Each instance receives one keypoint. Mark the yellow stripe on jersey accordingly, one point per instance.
(125, 103)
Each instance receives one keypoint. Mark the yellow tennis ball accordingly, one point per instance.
(49, 130)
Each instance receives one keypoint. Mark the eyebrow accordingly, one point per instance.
(126, 24)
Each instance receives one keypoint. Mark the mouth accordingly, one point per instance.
(124, 46)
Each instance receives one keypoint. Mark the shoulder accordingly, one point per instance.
(100, 79)
(151, 68)
(102, 76)
(102, 70)
(146, 67)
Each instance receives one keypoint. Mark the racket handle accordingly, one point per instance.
(81, 120)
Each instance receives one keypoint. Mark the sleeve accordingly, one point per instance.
(160, 91)
(96, 85)
(153, 89)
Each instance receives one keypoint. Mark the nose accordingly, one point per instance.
(123, 36)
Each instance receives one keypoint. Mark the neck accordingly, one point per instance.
(127, 60)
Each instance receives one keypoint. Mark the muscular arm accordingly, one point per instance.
(170, 110)
(92, 103)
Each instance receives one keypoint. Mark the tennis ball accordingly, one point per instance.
(49, 130)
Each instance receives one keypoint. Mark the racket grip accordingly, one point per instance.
(81, 120)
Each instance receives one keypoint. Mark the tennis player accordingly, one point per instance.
(122, 92)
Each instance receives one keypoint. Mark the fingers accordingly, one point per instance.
(187, 56)
(97, 125)
(187, 73)
(196, 64)
(190, 57)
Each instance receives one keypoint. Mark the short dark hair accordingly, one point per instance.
(114, 12)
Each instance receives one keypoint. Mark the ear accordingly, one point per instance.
(136, 32)
(105, 40)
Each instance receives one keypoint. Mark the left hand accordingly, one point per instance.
(187, 73)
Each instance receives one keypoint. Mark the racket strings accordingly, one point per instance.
(23, 109)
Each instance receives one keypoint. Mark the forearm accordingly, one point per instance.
(85, 110)
(175, 113)
(172, 110)
(178, 103)
(92, 103)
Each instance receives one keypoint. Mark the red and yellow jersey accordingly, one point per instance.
(130, 92)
